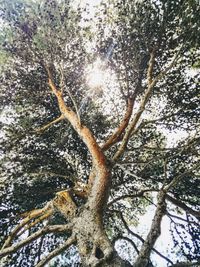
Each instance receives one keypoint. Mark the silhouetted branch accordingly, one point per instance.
(186, 264)
(138, 194)
(34, 236)
(141, 239)
(57, 251)
(183, 206)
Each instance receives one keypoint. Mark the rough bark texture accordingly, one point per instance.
(94, 247)
(155, 230)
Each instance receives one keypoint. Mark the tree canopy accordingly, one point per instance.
(92, 102)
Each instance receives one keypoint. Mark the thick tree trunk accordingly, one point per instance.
(93, 244)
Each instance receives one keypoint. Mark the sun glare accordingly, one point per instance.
(95, 74)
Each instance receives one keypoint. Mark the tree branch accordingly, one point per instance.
(101, 184)
(62, 85)
(180, 218)
(177, 179)
(124, 169)
(139, 194)
(34, 236)
(42, 129)
(141, 239)
(183, 206)
(147, 246)
(28, 217)
(147, 95)
(186, 264)
(127, 239)
(116, 136)
(46, 215)
(56, 251)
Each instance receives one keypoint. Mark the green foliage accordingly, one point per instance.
(36, 166)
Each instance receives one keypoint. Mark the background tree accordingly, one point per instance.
(83, 159)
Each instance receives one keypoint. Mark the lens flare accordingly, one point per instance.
(95, 76)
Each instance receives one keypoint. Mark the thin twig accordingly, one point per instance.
(42, 129)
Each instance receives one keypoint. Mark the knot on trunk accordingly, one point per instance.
(64, 203)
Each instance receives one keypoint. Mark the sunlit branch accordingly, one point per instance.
(34, 236)
(116, 136)
(101, 183)
(57, 251)
(127, 239)
(28, 217)
(42, 129)
(146, 97)
(62, 86)
(183, 206)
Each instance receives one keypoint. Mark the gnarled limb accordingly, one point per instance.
(64, 203)
(93, 244)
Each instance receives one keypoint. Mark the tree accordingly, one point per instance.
(75, 174)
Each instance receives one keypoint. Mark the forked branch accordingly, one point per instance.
(101, 184)
(183, 206)
(151, 84)
(142, 239)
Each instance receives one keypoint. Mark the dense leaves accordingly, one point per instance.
(37, 163)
